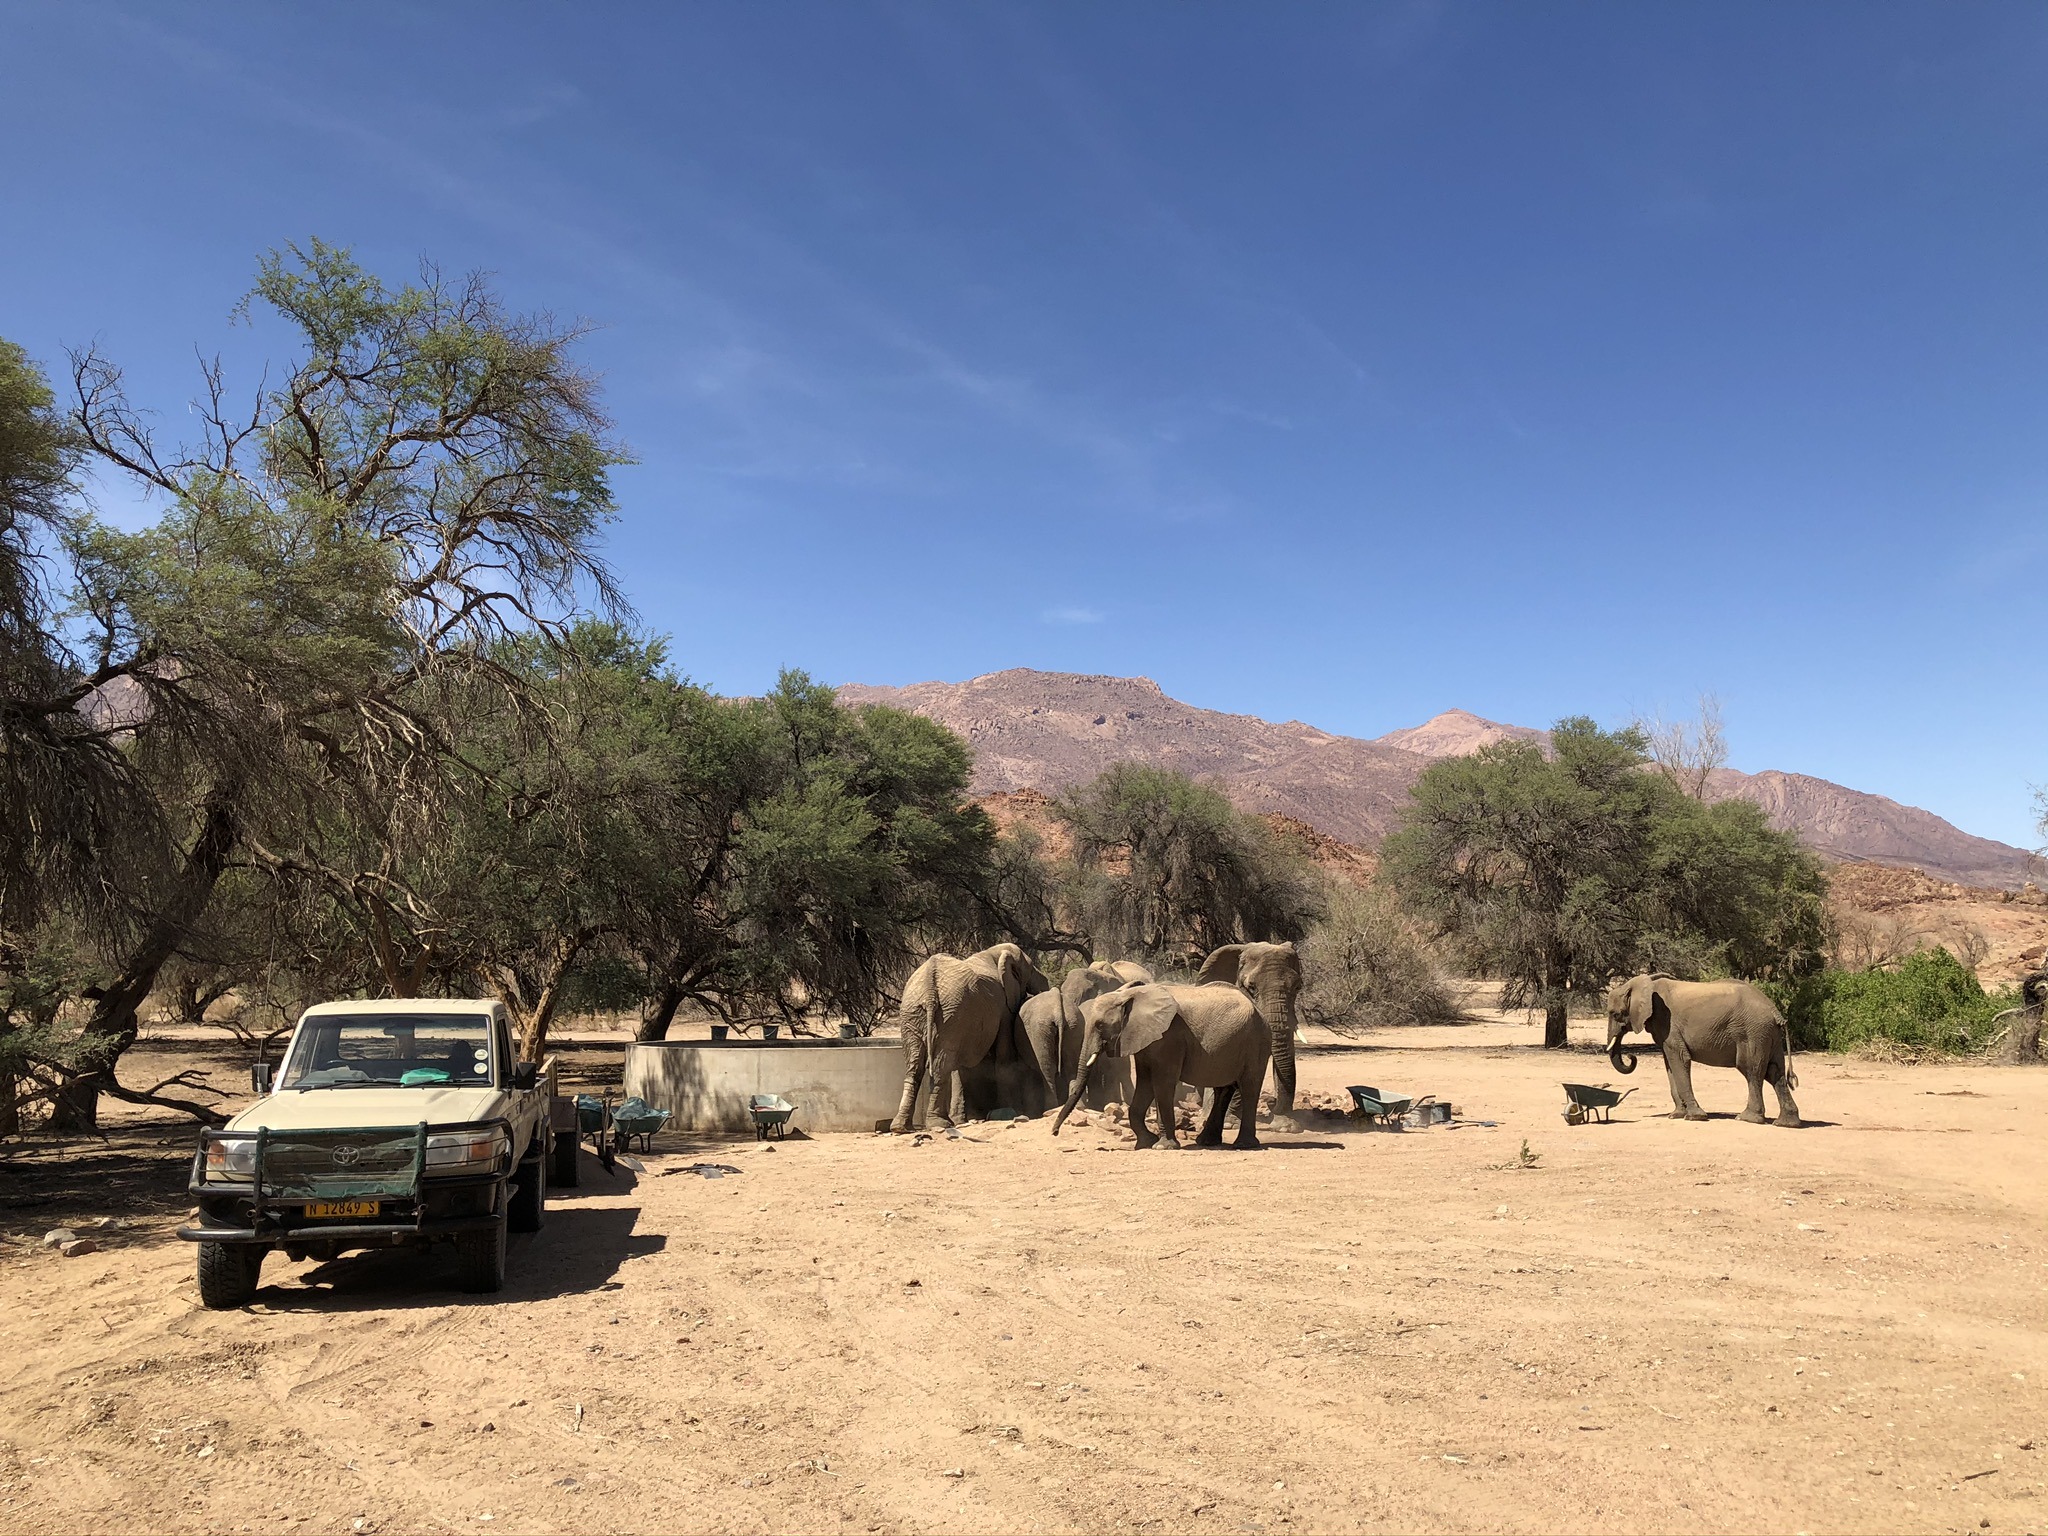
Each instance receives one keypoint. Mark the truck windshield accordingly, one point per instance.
(407, 1050)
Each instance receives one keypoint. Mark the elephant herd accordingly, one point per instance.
(1222, 1033)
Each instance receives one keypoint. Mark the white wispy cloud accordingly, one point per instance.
(1070, 616)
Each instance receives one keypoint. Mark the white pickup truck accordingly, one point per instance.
(392, 1123)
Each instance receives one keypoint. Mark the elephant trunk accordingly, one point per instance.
(1277, 1009)
(1088, 1054)
(1621, 1056)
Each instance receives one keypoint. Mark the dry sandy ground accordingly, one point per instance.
(1660, 1326)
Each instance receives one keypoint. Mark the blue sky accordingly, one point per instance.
(1336, 362)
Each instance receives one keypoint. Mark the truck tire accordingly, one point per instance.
(527, 1205)
(480, 1258)
(228, 1273)
(565, 1165)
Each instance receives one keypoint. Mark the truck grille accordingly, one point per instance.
(330, 1165)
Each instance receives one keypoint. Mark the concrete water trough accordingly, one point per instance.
(836, 1085)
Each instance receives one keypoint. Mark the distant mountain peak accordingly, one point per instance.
(1457, 733)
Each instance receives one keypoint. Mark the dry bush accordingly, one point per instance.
(1866, 941)
(1366, 965)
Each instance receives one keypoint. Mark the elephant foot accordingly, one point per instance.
(1790, 1122)
(1688, 1114)
(1167, 1144)
(1751, 1117)
(899, 1127)
(1209, 1141)
(1251, 1145)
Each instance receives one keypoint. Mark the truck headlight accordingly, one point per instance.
(231, 1160)
(466, 1151)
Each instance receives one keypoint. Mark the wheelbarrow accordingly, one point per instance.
(636, 1117)
(1590, 1105)
(1381, 1108)
(770, 1112)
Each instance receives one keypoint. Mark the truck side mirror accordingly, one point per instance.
(259, 1077)
(526, 1075)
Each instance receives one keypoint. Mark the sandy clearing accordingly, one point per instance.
(1662, 1326)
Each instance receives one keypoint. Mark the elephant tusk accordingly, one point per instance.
(1073, 1098)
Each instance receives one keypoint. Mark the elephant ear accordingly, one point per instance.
(1150, 1014)
(1221, 965)
(1131, 973)
(1643, 998)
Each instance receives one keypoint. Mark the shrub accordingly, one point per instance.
(1366, 966)
(1929, 999)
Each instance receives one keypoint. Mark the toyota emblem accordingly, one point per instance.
(348, 1157)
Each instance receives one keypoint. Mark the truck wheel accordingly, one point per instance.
(228, 1273)
(528, 1206)
(480, 1256)
(565, 1167)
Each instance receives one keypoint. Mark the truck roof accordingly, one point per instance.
(407, 1005)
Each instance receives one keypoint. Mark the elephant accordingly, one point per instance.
(1714, 1023)
(1051, 1022)
(953, 1011)
(1271, 973)
(1212, 1037)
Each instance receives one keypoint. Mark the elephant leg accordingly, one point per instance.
(1753, 1074)
(1212, 1123)
(1683, 1105)
(1166, 1094)
(1788, 1112)
(1141, 1098)
(942, 1076)
(913, 1084)
(1248, 1110)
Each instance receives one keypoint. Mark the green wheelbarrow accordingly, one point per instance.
(636, 1117)
(770, 1113)
(1588, 1105)
(1383, 1108)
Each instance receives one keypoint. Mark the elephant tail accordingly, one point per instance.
(1791, 1077)
(921, 998)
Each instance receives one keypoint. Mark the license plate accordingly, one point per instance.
(343, 1208)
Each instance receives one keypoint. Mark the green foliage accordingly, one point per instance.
(1366, 967)
(1559, 872)
(273, 659)
(1930, 1000)
(1167, 869)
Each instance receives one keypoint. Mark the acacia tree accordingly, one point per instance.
(431, 474)
(1560, 872)
(1169, 869)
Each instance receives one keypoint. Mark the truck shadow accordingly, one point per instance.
(577, 1252)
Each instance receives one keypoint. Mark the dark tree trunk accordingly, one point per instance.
(112, 1027)
(658, 1014)
(1554, 1021)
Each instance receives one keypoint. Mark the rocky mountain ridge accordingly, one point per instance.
(1046, 731)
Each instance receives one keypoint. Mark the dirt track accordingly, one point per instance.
(1662, 1326)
